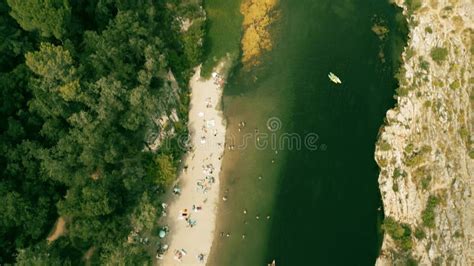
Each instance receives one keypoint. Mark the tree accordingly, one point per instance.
(166, 173)
(400, 233)
(57, 81)
(48, 17)
(91, 200)
(14, 41)
(48, 254)
(439, 54)
(145, 214)
(428, 214)
(118, 50)
(193, 41)
(28, 219)
(36, 257)
(76, 115)
(51, 62)
(126, 254)
(100, 231)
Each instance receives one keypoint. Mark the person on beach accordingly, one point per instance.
(200, 257)
(177, 191)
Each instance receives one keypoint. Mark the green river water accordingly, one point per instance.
(322, 198)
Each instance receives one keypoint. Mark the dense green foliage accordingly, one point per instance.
(420, 233)
(81, 84)
(400, 233)
(49, 18)
(428, 214)
(413, 5)
(439, 54)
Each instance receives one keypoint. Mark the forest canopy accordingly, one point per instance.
(82, 84)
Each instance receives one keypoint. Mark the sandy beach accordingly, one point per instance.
(191, 212)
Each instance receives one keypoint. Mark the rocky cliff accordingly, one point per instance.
(425, 150)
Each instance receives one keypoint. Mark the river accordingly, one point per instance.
(316, 203)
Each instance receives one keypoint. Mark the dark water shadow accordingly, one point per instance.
(327, 210)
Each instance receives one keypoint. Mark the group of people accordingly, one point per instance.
(186, 216)
(180, 253)
(205, 184)
(206, 132)
(206, 181)
(219, 80)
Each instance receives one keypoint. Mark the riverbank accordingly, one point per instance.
(191, 215)
(313, 197)
(425, 150)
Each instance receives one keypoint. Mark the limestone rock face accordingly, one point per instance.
(425, 151)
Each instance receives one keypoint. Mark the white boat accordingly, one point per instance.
(334, 78)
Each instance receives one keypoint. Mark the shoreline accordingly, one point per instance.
(425, 167)
(191, 215)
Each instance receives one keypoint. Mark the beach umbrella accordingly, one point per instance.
(162, 234)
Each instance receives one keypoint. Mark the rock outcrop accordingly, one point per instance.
(425, 150)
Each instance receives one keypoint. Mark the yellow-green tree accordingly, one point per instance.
(48, 17)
